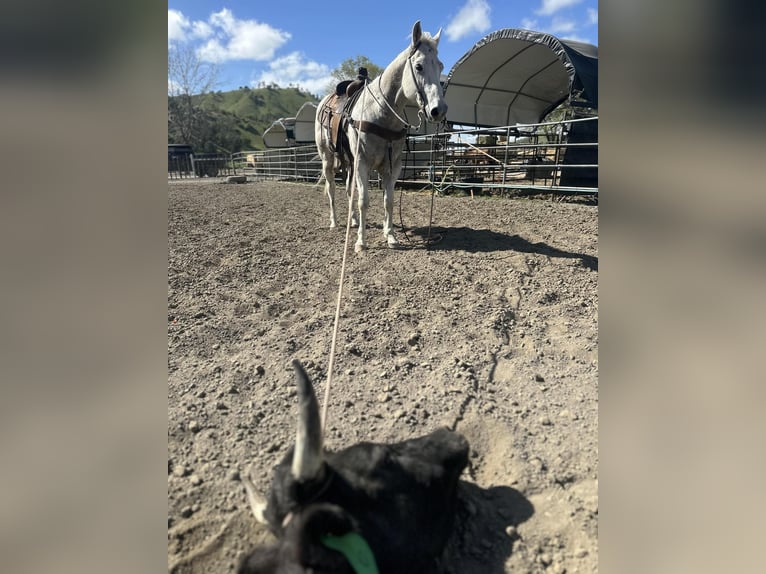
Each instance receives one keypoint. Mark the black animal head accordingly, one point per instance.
(395, 502)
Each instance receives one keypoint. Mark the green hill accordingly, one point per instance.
(250, 111)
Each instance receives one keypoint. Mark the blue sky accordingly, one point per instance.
(300, 43)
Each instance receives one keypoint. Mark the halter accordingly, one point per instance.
(420, 96)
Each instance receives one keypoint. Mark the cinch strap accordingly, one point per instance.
(386, 134)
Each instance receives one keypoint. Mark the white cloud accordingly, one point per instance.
(549, 7)
(240, 39)
(213, 51)
(294, 69)
(201, 29)
(472, 17)
(227, 37)
(529, 23)
(592, 16)
(577, 38)
(178, 24)
(562, 26)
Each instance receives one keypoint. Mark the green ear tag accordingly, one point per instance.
(355, 549)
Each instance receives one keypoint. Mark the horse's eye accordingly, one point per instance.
(419, 67)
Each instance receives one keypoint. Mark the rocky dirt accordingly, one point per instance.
(492, 330)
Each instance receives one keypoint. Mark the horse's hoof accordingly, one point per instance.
(392, 241)
(333, 226)
(359, 247)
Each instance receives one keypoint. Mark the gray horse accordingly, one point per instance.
(374, 119)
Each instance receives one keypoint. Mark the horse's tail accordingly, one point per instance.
(339, 163)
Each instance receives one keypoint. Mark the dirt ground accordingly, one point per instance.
(492, 330)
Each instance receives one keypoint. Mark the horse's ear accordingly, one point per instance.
(417, 32)
(438, 35)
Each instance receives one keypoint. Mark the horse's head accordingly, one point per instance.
(421, 77)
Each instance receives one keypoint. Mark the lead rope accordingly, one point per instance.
(331, 363)
(438, 237)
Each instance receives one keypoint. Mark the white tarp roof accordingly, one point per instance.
(280, 133)
(518, 76)
(304, 123)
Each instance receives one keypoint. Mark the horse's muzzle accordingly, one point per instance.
(439, 112)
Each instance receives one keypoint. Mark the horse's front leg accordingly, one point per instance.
(362, 185)
(388, 204)
(349, 188)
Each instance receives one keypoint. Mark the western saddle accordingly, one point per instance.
(335, 117)
(336, 114)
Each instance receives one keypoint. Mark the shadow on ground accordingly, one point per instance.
(481, 543)
(485, 241)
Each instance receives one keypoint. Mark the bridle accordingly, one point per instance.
(421, 95)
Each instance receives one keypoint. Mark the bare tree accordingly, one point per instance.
(189, 81)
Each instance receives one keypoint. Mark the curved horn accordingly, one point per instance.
(257, 502)
(307, 457)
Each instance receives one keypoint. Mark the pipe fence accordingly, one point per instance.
(551, 157)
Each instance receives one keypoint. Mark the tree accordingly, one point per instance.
(219, 133)
(190, 80)
(349, 69)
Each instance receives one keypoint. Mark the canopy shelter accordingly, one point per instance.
(281, 133)
(518, 76)
(304, 123)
